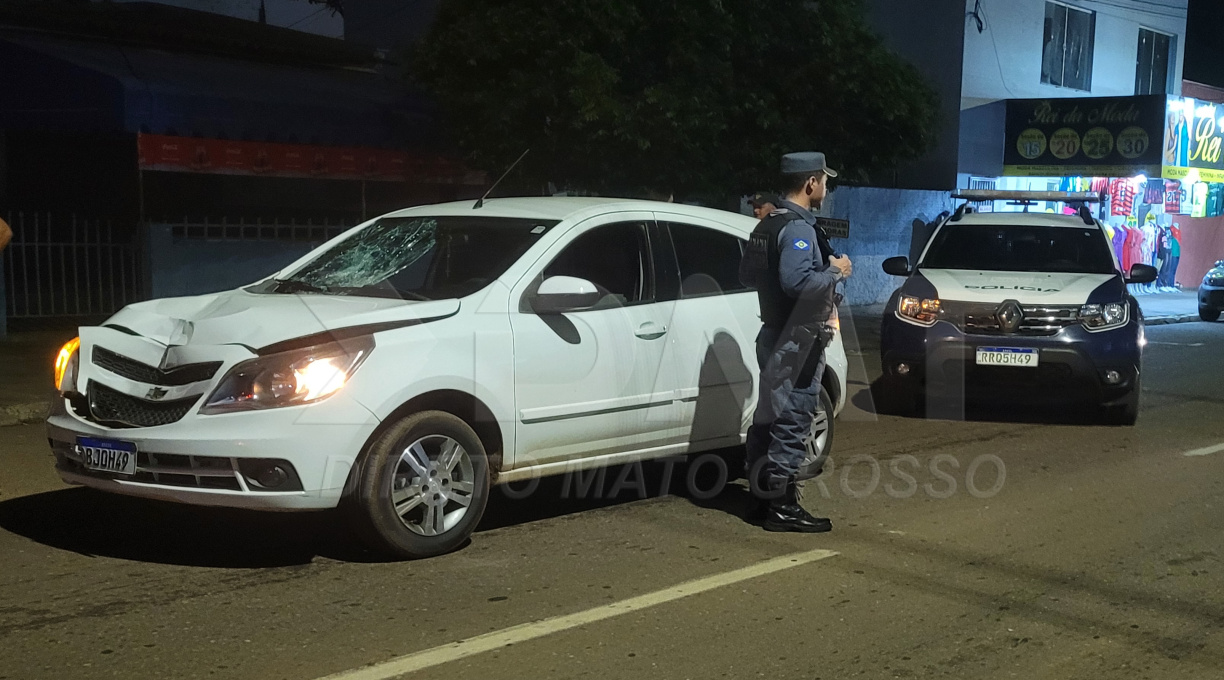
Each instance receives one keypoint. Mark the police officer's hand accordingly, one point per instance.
(843, 264)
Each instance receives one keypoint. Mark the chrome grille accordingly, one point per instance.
(112, 407)
(152, 375)
(979, 318)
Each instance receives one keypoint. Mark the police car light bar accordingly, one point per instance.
(1026, 196)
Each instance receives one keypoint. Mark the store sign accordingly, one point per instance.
(1098, 136)
(225, 157)
(1194, 140)
(834, 228)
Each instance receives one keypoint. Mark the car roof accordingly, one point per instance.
(566, 207)
(1037, 219)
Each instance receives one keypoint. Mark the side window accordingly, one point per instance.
(614, 257)
(708, 260)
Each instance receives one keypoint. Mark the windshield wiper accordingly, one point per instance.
(296, 286)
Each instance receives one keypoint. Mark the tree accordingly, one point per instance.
(334, 6)
(696, 97)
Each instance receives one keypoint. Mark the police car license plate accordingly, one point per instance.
(1007, 356)
(107, 455)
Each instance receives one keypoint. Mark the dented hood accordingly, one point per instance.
(253, 320)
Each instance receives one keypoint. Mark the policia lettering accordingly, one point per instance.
(787, 261)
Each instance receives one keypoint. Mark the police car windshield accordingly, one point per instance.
(416, 258)
(1020, 248)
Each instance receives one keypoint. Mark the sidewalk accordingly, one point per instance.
(27, 362)
(1161, 308)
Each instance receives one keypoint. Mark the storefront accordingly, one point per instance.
(1154, 160)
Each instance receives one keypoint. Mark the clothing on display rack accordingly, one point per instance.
(1123, 192)
(1215, 200)
(1174, 194)
(1119, 242)
(1198, 200)
(1154, 192)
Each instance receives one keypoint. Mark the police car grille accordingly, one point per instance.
(980, 319)
(114, 408)
(152, 375)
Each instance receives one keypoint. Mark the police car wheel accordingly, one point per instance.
(1209, 314)
(421, 487)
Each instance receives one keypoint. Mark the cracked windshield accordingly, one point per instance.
(427, 258)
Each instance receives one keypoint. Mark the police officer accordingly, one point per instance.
(795, 272)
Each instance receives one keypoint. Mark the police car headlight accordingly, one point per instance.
(1104, 317)
(922, 311)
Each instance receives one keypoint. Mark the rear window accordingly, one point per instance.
(1020, 248)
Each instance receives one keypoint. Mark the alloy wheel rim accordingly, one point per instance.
(818, 438)
(432, 485)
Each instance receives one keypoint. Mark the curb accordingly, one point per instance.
(24, 414)
(1163, 320)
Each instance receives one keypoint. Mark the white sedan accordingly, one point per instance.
(408, 365)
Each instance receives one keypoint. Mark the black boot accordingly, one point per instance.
(785, 514)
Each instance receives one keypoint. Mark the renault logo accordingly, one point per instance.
(156, 393)
(1009, 315)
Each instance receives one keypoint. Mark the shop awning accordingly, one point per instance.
(60, 84)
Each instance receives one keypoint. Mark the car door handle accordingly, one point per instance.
(650, 331)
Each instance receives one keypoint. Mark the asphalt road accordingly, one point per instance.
(1097, 554)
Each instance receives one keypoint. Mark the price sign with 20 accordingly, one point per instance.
(1064, 143)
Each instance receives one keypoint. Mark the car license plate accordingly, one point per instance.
(1006, 356)
(107, 455)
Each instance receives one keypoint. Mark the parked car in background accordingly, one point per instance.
(1022, 307)
(1211, 293)
(403, 368)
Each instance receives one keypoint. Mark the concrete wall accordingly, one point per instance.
(197, 266)
(920, 33)
(880, 227)
(1004, 61)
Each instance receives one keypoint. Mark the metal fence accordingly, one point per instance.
(66, 265)
(223, 229)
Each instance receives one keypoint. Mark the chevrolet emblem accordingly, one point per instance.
(156, 393)
(1009, 316)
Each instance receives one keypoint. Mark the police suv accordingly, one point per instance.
(1016, 306)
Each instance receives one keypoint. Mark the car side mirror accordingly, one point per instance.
(1142, 273)
(560, 294)
(897, 266)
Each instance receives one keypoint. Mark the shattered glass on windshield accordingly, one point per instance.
(416, 258)
(379, 252)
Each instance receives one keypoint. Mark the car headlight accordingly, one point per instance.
(1104, 317)
(66, 363)
(924, 311)
(290, 378)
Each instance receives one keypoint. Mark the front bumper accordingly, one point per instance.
(200, 460)
(1211, 297)
(1072, 364)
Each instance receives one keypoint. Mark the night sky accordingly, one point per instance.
(1205, 42)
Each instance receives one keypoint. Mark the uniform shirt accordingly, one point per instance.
(1173, 197)
(802, 270)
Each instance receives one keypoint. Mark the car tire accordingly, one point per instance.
(819, 443)
(421, 487)
(1126, 412)
(1209, 314)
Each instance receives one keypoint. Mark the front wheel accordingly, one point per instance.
(422, 486)
(1209, 314)
(819, 442)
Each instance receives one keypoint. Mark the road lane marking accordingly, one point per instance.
(529, 631)
(1205, 451)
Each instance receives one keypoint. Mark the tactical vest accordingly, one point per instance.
(762, 258)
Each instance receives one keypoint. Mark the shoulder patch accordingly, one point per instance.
(801, 244)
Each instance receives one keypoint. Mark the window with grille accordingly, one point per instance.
(1155, 56)
(1066, 57)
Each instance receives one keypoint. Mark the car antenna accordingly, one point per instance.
(480, 202)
